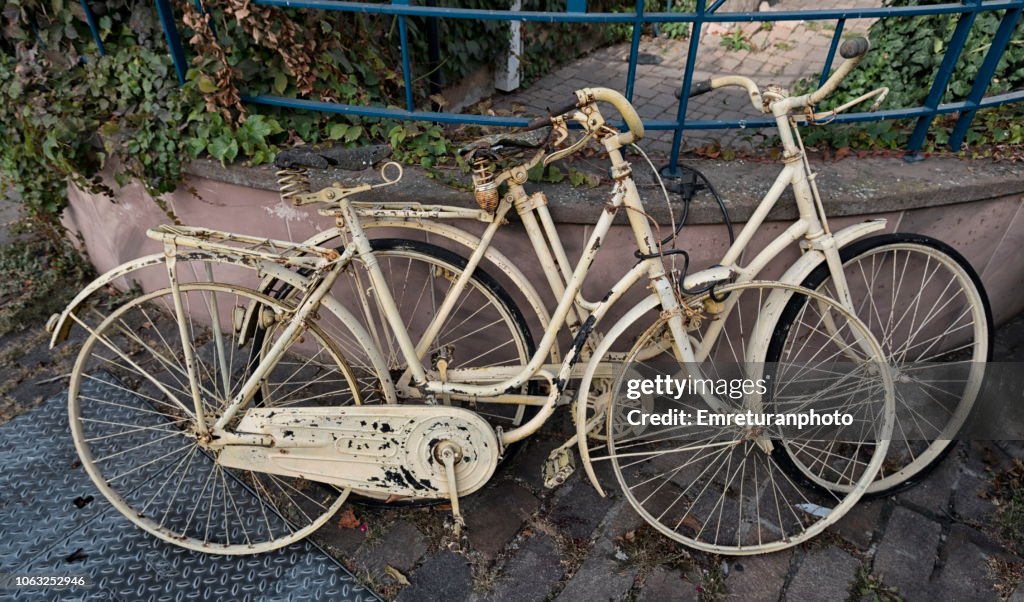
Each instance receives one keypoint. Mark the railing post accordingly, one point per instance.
(91, 20)
(836, 36)
(506, 70)
(634, 49)
(985, 72)
(403, 36)
(163, 8)
(672, 169)
(941, 82)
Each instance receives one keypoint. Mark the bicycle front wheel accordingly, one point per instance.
(703, 469)
(928, 309)
(134, 422)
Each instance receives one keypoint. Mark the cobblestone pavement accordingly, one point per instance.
(780, 53)
(937, 541)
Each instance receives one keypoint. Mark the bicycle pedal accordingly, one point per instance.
(558, 468)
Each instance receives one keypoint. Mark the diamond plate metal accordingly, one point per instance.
(41, 526)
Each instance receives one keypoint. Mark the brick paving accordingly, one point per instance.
(933, 542)
(783, 54)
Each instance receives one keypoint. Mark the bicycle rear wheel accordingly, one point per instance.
(928, 309)
(134, 423)
(484, 329)
(713, 482)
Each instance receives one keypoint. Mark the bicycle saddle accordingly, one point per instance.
(507, 144)
(324, 156)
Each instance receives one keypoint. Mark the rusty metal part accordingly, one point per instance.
(253, 248)
(558, 467)
(485, 188)
(292, 182)
(386, 450)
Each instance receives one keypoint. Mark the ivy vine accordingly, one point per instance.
(906, 54)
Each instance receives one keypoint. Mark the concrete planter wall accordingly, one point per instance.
(977, 208)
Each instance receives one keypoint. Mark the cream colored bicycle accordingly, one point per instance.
(211, 413)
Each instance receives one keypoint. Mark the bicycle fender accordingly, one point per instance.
(58, 324)
(634, 314)
(795, 275)
(812, 258)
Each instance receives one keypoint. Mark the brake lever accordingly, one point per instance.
(569, 150)
(824, 117)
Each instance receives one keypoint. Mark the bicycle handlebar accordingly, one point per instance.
(588, 96)
(623, 106)
(852, 50)
(540, 122)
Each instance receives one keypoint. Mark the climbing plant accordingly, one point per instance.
(69, 113)
(905, 55)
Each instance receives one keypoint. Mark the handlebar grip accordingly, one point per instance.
(854, 48)
(701, 87)
(540, 122)
(696, 89)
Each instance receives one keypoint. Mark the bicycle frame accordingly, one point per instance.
(573, 311)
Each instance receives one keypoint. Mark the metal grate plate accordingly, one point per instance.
(44, 531)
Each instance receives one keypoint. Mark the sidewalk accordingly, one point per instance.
(782, 53)
(933, 542)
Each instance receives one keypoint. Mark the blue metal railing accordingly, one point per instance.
(575, 12)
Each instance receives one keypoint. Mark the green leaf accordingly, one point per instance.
(353, 133)
(223, 149)
(280, 82)
(206, 85)
(337, 131)
(260, 126)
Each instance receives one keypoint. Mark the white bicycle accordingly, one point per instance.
(234, 410)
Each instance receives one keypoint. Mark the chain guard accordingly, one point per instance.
(383, 450)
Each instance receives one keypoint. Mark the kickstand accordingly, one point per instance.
(449, 453)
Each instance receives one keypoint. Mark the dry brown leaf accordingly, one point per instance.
(348, 520)
(691, 523)
(396, 575)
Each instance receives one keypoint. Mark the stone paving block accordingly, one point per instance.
(529, 461)
(858, 526)
(529, 575)
(400, 546)
(494, 515)
(601, 577)
(336, 538)
(965, 572)
(445, 576)
(906, 557)
(825, 574)
(933, 493)
(621, 519)
(578, 508)
(1018, 594)
(664, 584)
(968, 501)
(758, 578)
